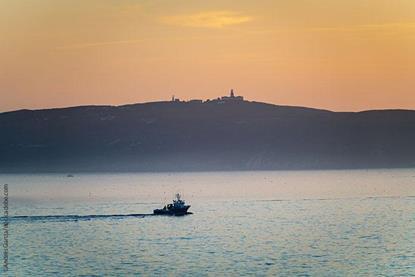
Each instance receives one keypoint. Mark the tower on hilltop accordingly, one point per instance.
(231, 97)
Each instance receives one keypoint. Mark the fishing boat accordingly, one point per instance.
(178, 207)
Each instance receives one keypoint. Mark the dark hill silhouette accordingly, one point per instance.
(173, 136)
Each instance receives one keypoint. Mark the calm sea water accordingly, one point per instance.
(317, 223)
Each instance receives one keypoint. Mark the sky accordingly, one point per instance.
(341, 55)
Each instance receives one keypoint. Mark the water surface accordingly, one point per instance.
(318, 223)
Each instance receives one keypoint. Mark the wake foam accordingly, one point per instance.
(29, 218)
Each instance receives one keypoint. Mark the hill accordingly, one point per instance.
(186, 136)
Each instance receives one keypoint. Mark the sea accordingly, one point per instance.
(262, 223)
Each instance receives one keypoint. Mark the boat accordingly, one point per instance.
(178, 207)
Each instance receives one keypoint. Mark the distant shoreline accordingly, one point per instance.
(224, 135)
(74, 173)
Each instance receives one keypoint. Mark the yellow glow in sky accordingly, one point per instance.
(338, 55)
(208, 19)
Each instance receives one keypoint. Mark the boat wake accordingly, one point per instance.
(58, 218)
(66, 218)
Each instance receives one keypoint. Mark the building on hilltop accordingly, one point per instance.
(220, 100)
(174, 99)
(232, 97)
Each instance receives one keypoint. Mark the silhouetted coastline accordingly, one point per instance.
(200, 135)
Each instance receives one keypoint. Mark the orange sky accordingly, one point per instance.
(339, 55)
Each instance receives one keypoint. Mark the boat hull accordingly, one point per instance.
(174, 211)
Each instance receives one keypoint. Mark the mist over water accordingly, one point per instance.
(320, 223)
